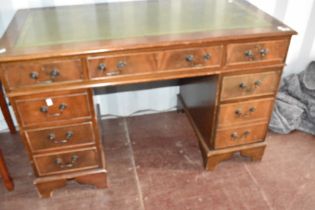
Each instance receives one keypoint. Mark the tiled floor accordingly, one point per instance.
(154, 163)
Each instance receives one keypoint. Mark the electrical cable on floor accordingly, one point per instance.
(139, 112)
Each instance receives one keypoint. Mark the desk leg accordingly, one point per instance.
(98, 180)
(8, 183)
(46, 185)
(253, 151)
(5, 111)
(46, 189)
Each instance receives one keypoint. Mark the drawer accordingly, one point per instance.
(49, 164)
(248, 85)
(252, 52)
(240, 135)
(190, 58)
(53, 108)
(106, 66)
(245, 112)
(64, 137)
(25, 74)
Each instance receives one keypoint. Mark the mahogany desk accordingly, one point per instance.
(228, 56)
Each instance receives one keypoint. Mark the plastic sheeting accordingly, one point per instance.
(295, 103)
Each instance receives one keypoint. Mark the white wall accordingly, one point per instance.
(6, 13)
(299, 15)
(294, 13)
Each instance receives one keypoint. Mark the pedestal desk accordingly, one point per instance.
(227, 57)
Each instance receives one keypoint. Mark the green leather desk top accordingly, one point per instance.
(134, 19)
(104, 27)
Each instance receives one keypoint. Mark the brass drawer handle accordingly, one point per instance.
(250, 55)
(61, 163)
(120, 65)
(191, 58)
(62, 107)
(239, 112)
(53, 75)
(252, 88)
(235, 136)
(52, 138)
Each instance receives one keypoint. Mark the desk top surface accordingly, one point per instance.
(105, 27)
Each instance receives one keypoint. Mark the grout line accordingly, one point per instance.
(133, 164)
(262, 192)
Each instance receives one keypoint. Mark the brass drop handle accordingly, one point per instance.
(239, 112)
(53, 75)
(263, 52)
(249, 54)
(252, 88)
(52, 138)
(190, 58)
(62, 107)
(120, 65)
(101, 67)
(61, 163)
(235, 136)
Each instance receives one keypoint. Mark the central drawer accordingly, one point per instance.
(115, 65)
(70, 136)
(191, 58)
(39, 109)
(48, 164)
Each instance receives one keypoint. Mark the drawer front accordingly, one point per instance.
(240, 135)
(247, 85)
(50, 109)
(190, 58)
(107, 66)
(66, 162)
(42, 73)
(246, 53)
(245, 112)
(61, 137)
